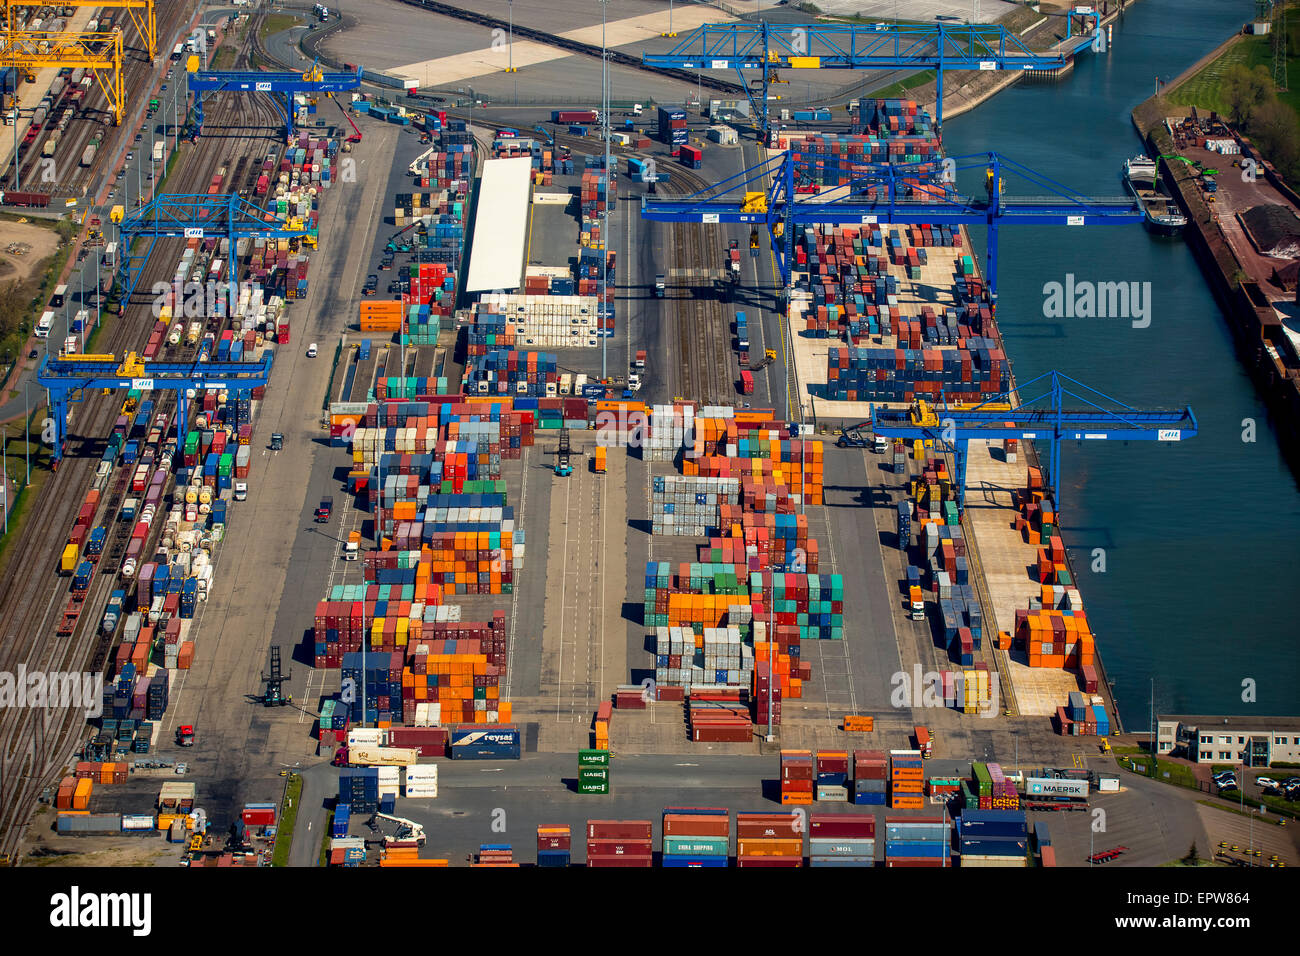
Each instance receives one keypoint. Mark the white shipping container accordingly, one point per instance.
(367, 737)
(382, 756)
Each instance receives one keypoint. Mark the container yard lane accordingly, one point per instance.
(583, 651)
(276, 558)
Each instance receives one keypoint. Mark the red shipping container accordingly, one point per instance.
(620, 830)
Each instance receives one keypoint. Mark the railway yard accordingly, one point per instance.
(520, 552)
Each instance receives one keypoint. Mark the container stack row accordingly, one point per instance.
(681, 505)
(918, 841)
(511, 372)
(503, 320)
(766, 454)
(906, 780)
(621, 843)
(554, 845)
(769, 839)
(696, 837)
(993, 838)
(841, 839)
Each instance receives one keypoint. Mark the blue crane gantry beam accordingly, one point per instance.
(281, 86)
(189, 217)
(881, 195)
(63, 376)
(937, 46)
(1042, 416)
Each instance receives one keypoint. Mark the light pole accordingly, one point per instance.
(609, 183)
(512, 37)
(27, 437)
(18, 183)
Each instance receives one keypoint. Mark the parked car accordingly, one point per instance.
(1267, 782)
(311, 350)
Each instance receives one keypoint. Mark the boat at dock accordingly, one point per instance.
(1163, 217)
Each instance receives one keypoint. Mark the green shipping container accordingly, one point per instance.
(593, 775)
(593, 758)
(983, 779)
(697, 845)
(592, 787)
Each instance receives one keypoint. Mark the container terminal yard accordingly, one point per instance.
(440, 468)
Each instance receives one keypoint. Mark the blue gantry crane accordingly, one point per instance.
(938, 46)
(194, 216)
(1042, 416)
(281, 86)
(78, 373)
(888, 193)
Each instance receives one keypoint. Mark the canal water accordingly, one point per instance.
(1200, 540)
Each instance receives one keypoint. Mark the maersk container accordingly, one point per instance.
(1055, 787)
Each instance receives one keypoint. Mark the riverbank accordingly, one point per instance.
(963, 96)
(1253, 306)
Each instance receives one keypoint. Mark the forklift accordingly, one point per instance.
(275, 695)
(563, 464)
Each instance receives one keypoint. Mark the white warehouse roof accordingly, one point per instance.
(497, 258)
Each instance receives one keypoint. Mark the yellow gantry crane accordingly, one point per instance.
(100, 53)
(140, 12)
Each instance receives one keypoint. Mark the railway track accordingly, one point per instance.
(36, 744)
(93, 116)
(702, 327)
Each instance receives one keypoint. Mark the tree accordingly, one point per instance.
(1276, 129)
(1193, 855)
(1244, 90)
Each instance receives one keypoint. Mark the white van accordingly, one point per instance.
(44, 325)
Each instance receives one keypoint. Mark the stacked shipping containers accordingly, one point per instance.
(554, 845)
(870, 777)
(906, 780)
(771, 839)
(672, 127)
(841, 839)
(993, 838)
(917, 841)
(696, 837)
(623, 843)
(797, 778)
